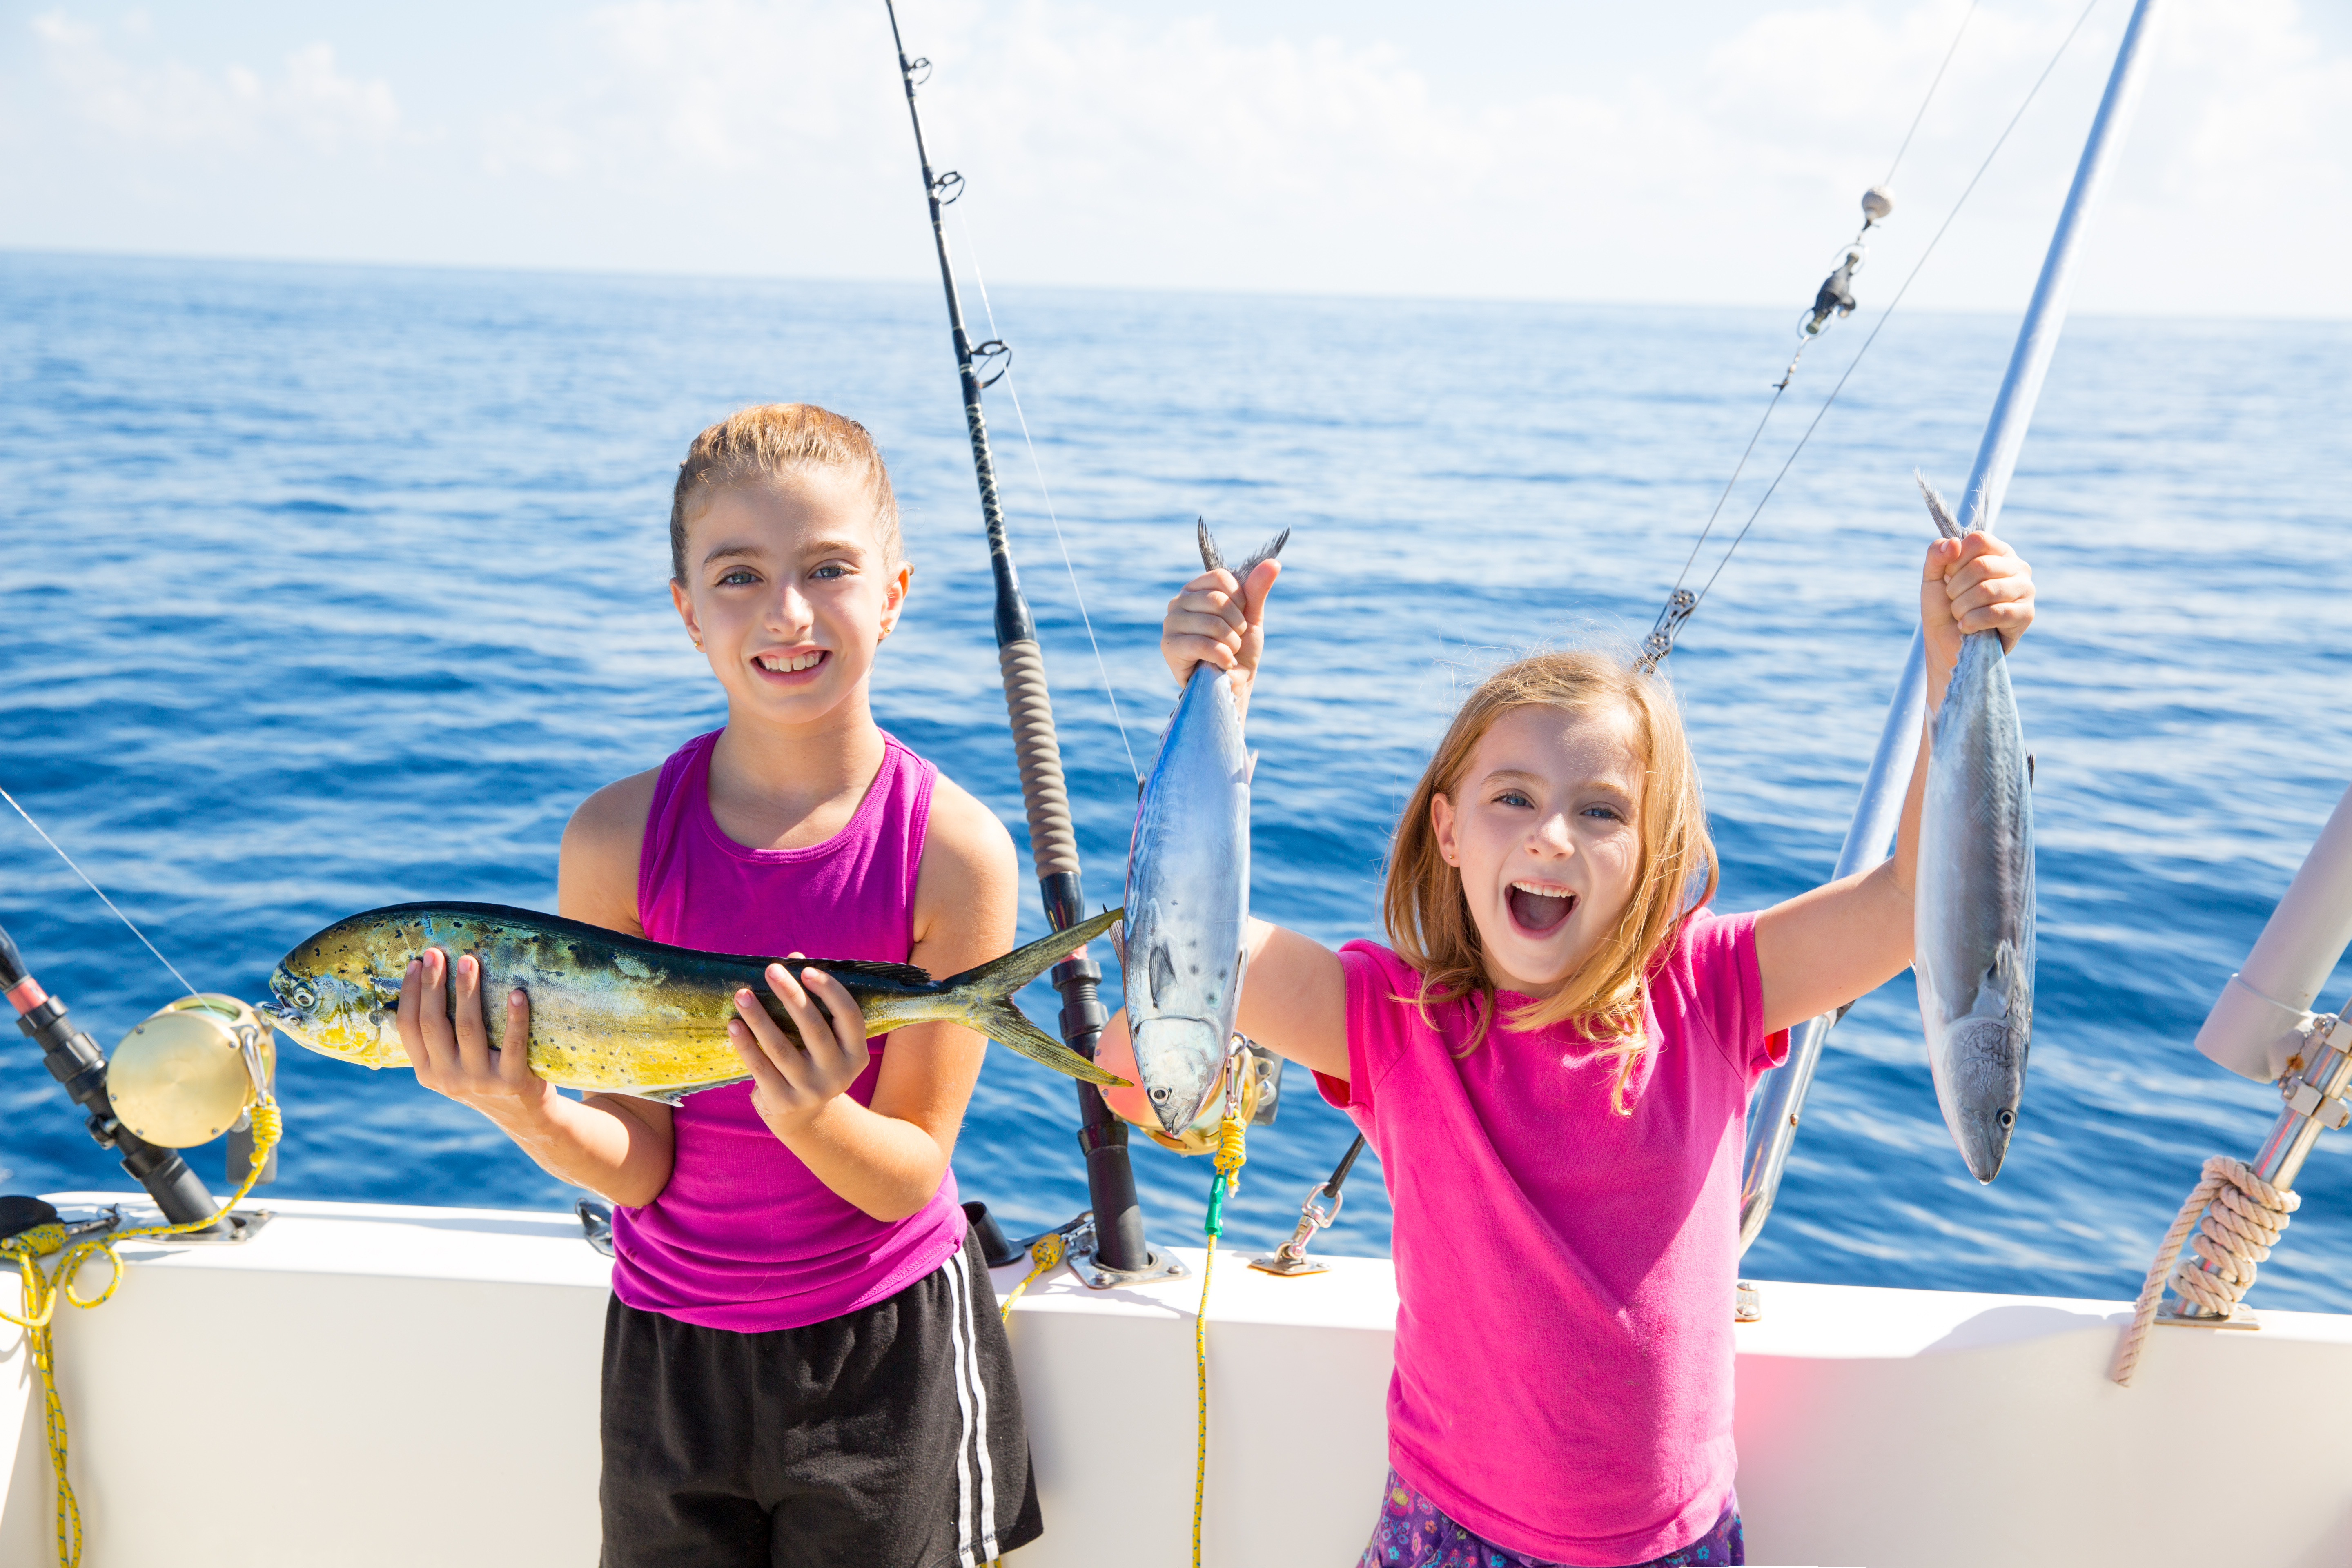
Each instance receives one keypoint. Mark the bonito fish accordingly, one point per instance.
(622, 1014)
(1974, 936)
(1188, 890)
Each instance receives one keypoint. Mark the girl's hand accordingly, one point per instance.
(796, 1081)
(1974, 583)
(451, 1049)
(1221, 623)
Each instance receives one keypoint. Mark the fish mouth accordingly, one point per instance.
(1181, 1063)
(1987, 1144)
(1538, 909)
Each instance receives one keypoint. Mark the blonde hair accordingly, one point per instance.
(1428, 914)
(770, 440)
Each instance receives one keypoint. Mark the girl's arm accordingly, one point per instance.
(615, 1146)
(1822, 950)
(888, 1158)
(1294, 1002)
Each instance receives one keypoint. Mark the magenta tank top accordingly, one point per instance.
(745, 1236)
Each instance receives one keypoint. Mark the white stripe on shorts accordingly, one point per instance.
(958, 1338)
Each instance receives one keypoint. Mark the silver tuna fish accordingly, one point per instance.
(1974, 918)
(1188, 890)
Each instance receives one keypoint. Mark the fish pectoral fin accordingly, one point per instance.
(671, 1094)
(1249, 769)
(1160, 973)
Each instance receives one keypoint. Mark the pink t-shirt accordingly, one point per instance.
(1565, 1274)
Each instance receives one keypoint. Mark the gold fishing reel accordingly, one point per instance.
(1259, 1069)
(189, 1072)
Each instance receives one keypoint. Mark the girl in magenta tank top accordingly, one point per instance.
(803, 1358)
(811, 1254)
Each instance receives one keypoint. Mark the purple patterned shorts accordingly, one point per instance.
(1413, 1533)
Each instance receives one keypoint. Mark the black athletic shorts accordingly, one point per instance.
(888, 1437)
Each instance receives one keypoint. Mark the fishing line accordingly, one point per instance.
(1892, 304)
(971, 250)
(1932, 86)
(94, 888)
(1783, 385)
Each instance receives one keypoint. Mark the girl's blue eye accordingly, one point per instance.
(735, 578)
(831, 568)
(1608, 812)
(1512, 797)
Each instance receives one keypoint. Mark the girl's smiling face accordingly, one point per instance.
(1544, 826)
(788, 593)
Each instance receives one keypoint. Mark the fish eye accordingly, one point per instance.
(2005, 1116)
(303, 998)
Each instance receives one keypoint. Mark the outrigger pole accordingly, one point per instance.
(1119, 1246)
(1780, 1094)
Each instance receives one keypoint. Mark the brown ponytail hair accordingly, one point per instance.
(1428, 915)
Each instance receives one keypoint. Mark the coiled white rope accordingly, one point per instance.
(2243, 1216)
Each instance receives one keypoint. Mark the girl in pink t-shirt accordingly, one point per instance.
(1552, 1056)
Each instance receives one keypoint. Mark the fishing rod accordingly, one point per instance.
(75, 1060)
(1119, 1248)
(1779, 1094)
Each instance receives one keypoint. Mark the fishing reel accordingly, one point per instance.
(192, 1071)
(1249, 1067)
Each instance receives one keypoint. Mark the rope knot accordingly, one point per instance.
(2243, 1216)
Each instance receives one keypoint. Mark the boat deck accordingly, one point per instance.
(371, 1383)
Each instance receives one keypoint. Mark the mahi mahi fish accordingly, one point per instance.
(1974, 937)
(1188, 889)
(622, 1014)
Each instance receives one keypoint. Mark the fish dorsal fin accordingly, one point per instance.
(1216, 563)
(861, 968)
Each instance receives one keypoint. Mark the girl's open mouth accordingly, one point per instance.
(1539, 914)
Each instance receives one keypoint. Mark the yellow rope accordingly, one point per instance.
(43, 1289)
(1230, 1157)
(1044, 1253)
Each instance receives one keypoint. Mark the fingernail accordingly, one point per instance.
(415, 965)
(745, 995)
(516, 996)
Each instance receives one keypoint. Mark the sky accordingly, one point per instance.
(1700, 151)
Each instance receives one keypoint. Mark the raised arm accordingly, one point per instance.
(1294, 1002)
(1823, 949)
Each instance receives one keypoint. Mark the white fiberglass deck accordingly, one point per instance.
(374, 1385)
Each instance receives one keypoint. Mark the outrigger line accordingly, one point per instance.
(1835, 303)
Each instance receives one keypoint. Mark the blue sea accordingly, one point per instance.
(328, 587)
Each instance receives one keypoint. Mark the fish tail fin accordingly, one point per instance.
(983, 997)
(1216, 563)
(1937, 508)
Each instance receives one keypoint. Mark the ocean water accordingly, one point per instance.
(332, 587)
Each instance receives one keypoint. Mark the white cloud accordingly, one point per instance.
(1116, 146)
(308, 101)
